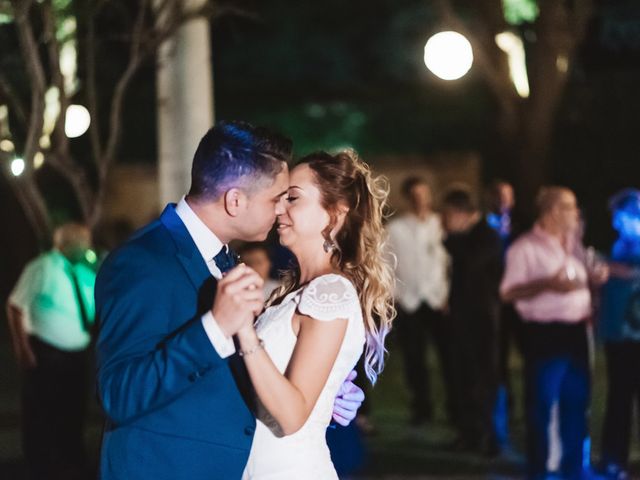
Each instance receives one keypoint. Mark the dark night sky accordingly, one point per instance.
(337, 73)
(344, 73)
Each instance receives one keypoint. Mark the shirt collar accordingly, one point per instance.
(58, 257)
(206, 241)
(412, 217)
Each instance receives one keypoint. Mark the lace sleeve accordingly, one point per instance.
(329, 297)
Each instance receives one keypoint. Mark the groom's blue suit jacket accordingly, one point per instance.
(174, 408)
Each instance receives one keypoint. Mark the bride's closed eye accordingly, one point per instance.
(291, 199)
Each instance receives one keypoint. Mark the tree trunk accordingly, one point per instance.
(548, 74)
(185, 104)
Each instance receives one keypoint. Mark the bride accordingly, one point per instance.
(336, 303)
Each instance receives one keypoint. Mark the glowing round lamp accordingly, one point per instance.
(77, 121)
(448, 55)
(17, 167)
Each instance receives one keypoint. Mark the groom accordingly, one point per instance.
(169, 379)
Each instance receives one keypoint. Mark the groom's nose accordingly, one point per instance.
(280, 206)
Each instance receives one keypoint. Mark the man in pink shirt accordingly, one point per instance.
(545, 276)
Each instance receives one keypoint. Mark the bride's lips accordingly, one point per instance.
(282, 226)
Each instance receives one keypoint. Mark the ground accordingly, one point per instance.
(395, 452)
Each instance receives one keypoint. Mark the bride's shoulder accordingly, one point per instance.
(328, 297)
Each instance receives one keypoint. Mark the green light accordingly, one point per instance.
(91, 256)
(517, 12)
(61, 4)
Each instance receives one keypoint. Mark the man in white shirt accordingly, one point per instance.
(422, 288)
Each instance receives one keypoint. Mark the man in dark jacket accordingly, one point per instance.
(474, 305)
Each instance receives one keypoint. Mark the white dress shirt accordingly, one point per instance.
(208, 245)
(421, 261)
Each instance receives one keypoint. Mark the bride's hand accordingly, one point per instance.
(239, 296)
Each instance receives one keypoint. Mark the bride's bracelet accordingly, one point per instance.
(259, 346)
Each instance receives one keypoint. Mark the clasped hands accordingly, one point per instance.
(239, 299)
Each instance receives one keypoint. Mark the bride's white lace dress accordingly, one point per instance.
(305, 455)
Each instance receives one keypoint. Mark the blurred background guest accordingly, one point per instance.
(547, 279)
(619, 328)
(500, 200)
(415, 238)
(51, 313)
(500, 204)
(474, 304)
(256, 256)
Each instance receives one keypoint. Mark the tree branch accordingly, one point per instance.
(11, 96)
(32, 203)
(170, 20)
(115, 123)
(164, 10)
(171, 17)
(61, 144)
(91, 86)
(37, 81)
(143, 45)
(76, 175)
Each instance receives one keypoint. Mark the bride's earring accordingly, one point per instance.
(329, 245)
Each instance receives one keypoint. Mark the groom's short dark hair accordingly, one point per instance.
(237, 154)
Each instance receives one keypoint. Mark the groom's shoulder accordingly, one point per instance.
(149, 244)
(153, 235)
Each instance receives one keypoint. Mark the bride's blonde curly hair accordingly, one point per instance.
(359, 253)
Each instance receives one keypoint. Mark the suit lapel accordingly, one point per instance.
(186, 250)
(205, 284)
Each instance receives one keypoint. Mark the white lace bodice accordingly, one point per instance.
(305, 454)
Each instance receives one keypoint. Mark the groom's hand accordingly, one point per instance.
(239, 295)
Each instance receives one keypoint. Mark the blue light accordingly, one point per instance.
(493, 219)
(627, 224)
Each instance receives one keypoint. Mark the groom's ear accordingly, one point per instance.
(235, 201)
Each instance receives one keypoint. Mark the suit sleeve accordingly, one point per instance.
(142, 365)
